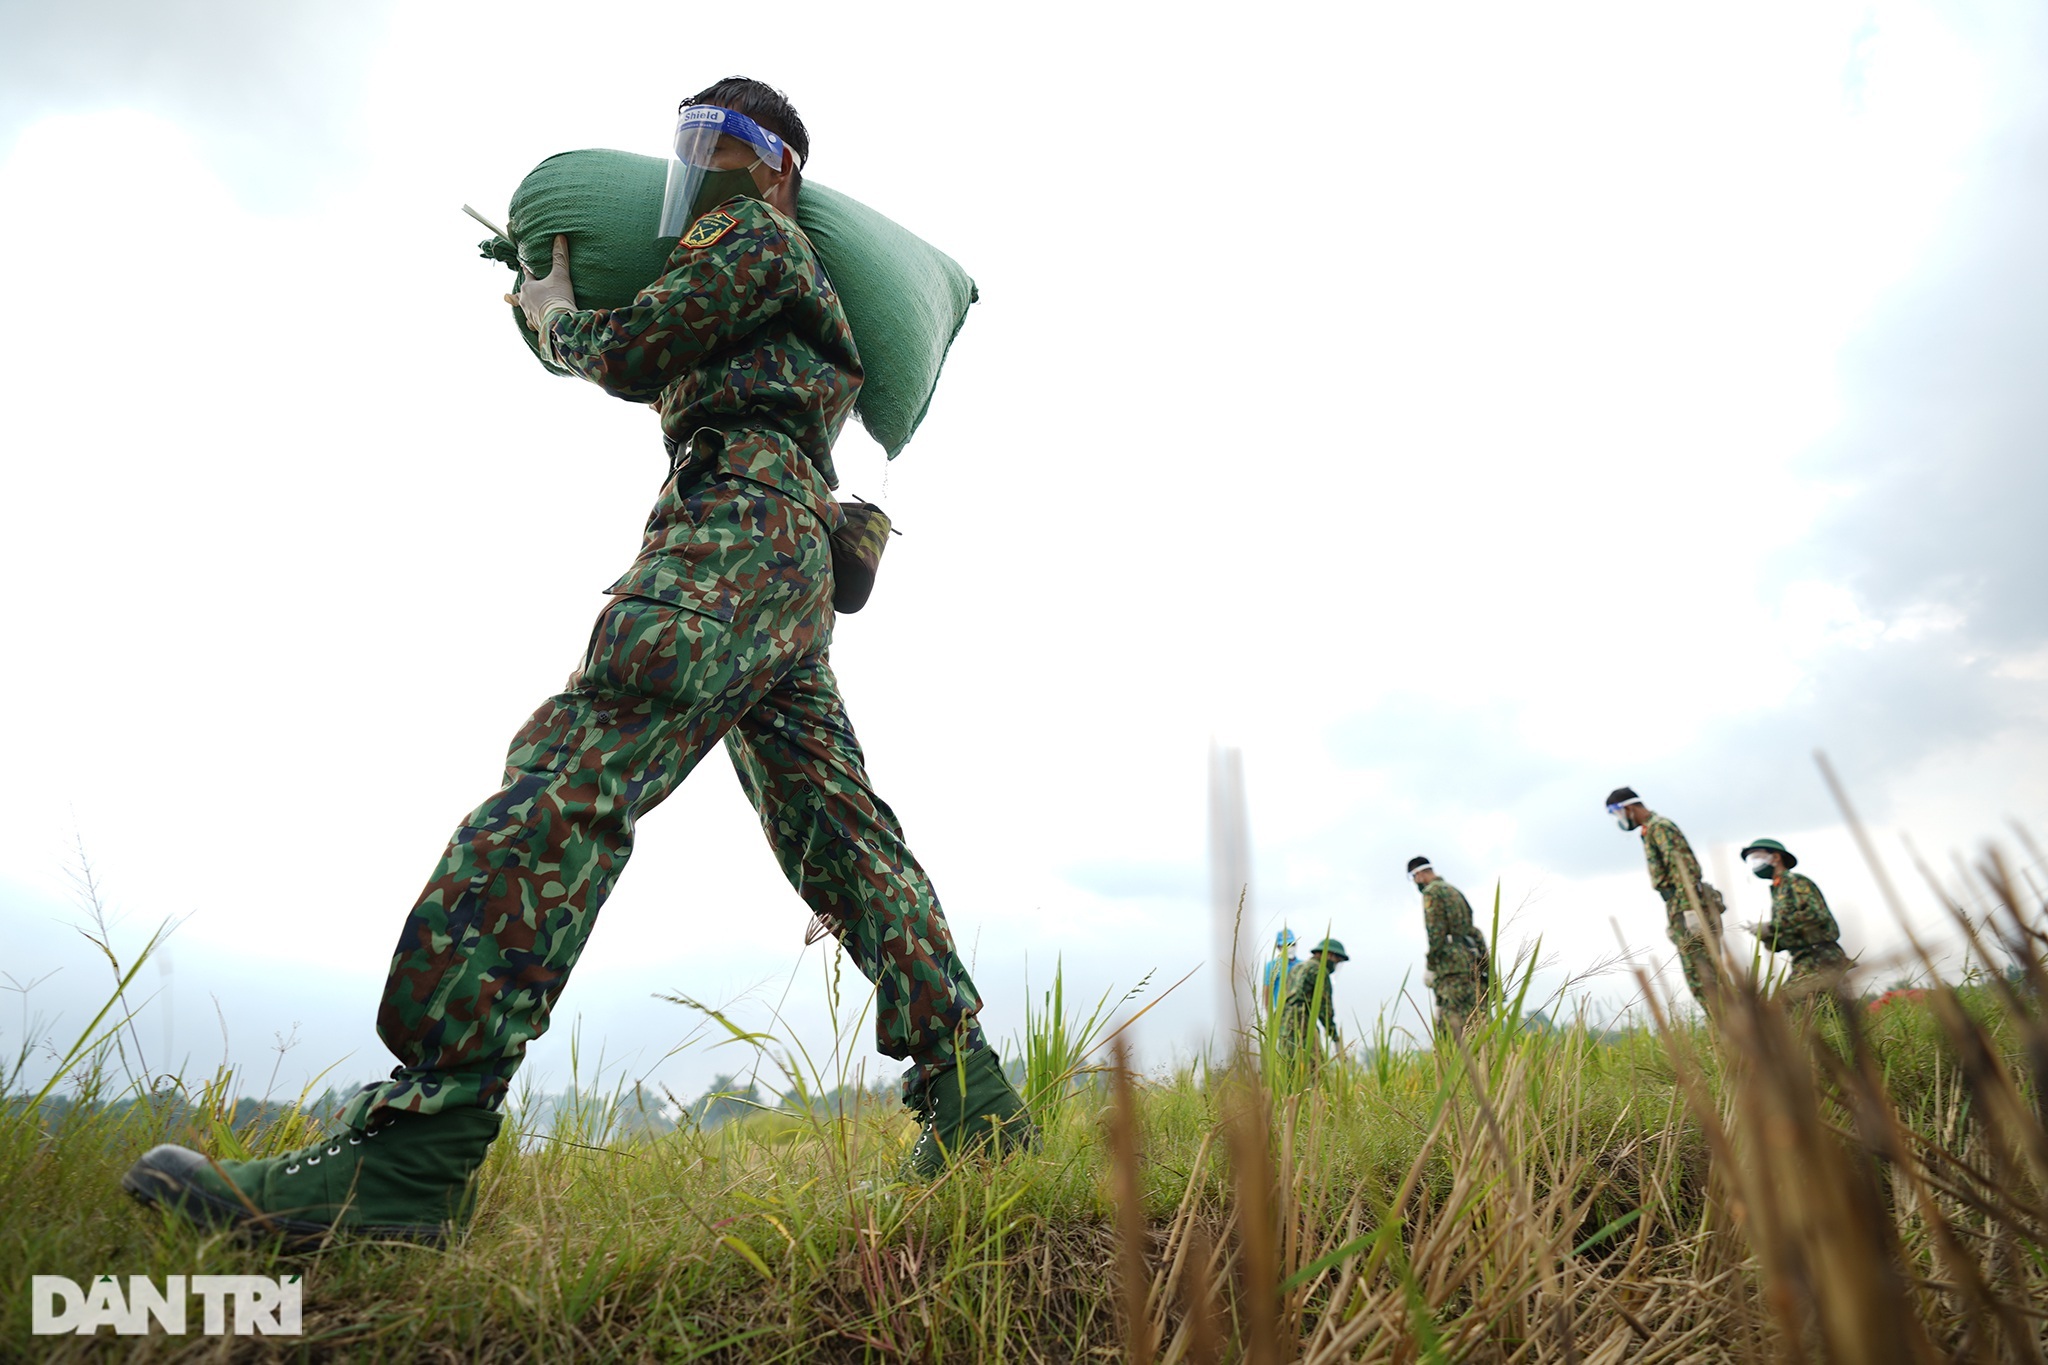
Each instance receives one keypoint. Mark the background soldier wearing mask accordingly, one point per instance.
(1457, 961)
(1692, 908)
(1800, 923)
(1310, 1002)
(718, 631)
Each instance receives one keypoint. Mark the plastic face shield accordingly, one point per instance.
(709, 139)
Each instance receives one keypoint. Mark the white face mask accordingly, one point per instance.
(1760, 865)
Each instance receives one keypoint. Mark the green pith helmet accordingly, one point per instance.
(1771, 846)
(1333, 948)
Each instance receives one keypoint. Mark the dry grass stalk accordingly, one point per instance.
(1201, 1322)
(1247, 1137)
(1140, 1332)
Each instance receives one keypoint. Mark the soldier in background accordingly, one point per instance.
(1273, 982)
(1800, 922)
(1457, 964)
(1692, 907)
(1310, 1002)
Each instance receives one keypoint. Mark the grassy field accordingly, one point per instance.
(1792, 1182)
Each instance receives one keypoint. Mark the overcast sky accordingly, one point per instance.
(1464, 409)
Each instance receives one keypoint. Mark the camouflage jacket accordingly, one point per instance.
(1800, 922)
(743, 348)
(1672, 864)
(1454, 945)
(1673, 869)
(1306, 981)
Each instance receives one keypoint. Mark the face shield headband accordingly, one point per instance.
(710, 139)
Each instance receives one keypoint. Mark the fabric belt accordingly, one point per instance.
(681, 453)
(708, 453)
(692, 460)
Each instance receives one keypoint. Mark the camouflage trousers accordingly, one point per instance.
(1695, 955)
(1458, 993)
(1820, 959)
(1458, 976)
(734, 648)
(1817, 971)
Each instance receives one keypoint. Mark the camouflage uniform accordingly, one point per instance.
(1310, 1001)
(1674, 871)
(1457, 958)
(720, 630)
(1800, 924)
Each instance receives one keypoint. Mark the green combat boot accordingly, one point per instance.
(406, 1176)
(966, 1108)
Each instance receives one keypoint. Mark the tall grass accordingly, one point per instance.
(1059, 1043)
(1794, 1180)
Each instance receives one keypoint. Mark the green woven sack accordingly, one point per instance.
(904, 297)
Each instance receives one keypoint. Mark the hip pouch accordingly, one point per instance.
(857, 553)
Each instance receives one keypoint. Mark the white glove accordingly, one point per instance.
(1428, 980)
(1695, 924)
(547, 297)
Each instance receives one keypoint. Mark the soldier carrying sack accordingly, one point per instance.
(719, 632)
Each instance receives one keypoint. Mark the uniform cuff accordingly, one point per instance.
(550, 313)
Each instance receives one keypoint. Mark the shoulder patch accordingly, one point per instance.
(710, 228)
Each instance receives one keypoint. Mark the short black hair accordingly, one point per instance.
(1623, 796)
(765, 105)
(1417, 864)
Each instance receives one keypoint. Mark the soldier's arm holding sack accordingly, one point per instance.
(728, 274)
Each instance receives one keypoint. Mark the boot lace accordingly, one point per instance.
(333, 1145)
(917, 1095)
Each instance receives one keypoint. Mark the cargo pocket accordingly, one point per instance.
(635, 650)
(706, 596)
(543, 745)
